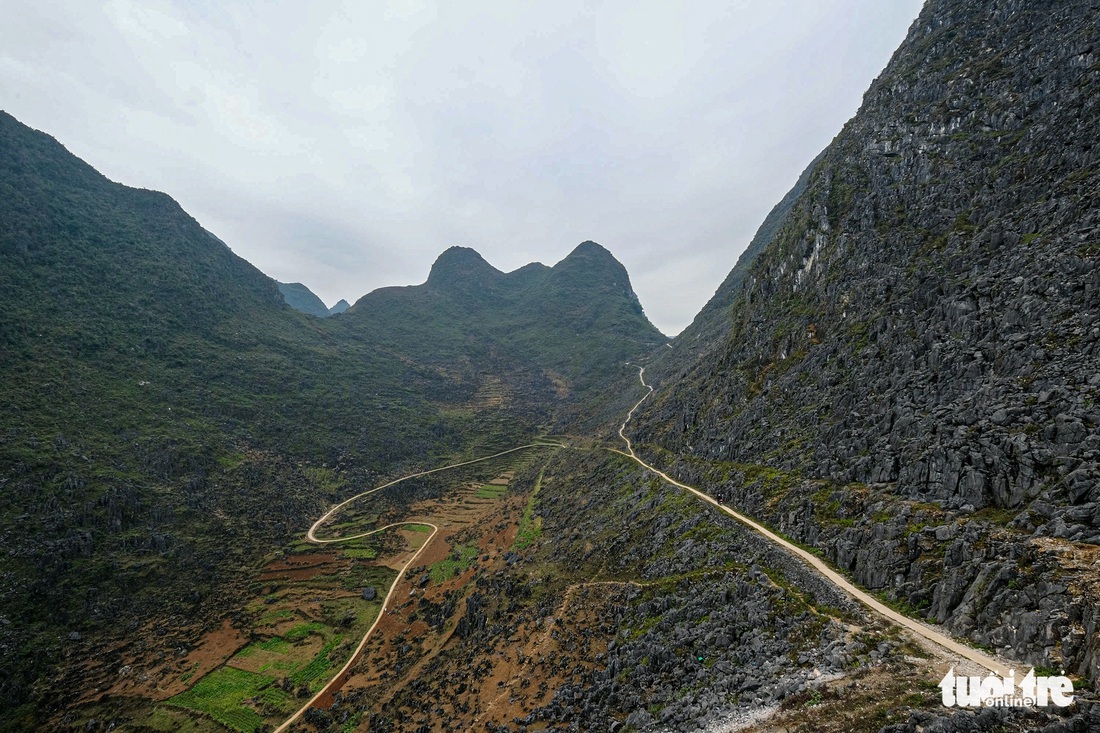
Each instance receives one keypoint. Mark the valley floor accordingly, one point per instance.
(548, 587)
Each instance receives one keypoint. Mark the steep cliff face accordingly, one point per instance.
(711, 325)
(920, 342)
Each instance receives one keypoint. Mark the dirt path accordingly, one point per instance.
(337, 679)
(312, 536)
(537, 645)
(945, 646)
(953, 649)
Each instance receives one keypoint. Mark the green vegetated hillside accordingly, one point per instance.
(906, 375)
(301, 298)
(164, 411)
(570, 324)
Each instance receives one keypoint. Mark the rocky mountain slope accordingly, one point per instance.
(902, 372)
(908, 375)
(711, 324)
(634, 608)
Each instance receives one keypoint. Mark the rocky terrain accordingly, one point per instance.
(636, 608)
(902, 373)
(908, 375)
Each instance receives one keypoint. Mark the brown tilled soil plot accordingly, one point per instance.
(163, 678)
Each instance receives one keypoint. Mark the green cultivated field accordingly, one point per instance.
(491, 491)
(219, 694)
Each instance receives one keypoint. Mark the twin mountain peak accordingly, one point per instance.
(589, 264)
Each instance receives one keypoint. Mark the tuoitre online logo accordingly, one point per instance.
(1001, 692)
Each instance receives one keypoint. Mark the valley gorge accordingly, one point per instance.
(900, 376)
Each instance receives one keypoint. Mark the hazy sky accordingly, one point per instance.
(345, 145)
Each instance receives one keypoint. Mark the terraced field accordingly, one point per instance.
(317, 600)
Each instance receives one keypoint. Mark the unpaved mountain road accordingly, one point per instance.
(940, 640)
(311, 535)
(381, 612)
(944, 645)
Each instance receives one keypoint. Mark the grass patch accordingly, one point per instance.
(350, 613)
(362, 575)
(219, 695)
(994, 515)
(301, 631)
(351, 723)
(459, 559)
(231, 461)
(530, 527)
(186, 676)
(361, 553)
(275, 645)
(168, 720)
(490, 491)
(274, 697)
(906, 609)
(276, 615)
(317, 667)
(301, 547)
(325, 479)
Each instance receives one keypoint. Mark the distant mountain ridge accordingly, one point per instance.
(536, 315)
(301, 298)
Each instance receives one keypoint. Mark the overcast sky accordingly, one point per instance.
(345, 145)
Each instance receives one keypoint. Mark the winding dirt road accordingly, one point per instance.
(946, 644)
(312, 537)
(381, 612)
(941, 640)
(312, 534)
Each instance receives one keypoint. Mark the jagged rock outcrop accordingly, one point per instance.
(923, 333)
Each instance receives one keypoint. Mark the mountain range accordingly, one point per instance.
(899, 376)
(159, 397)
